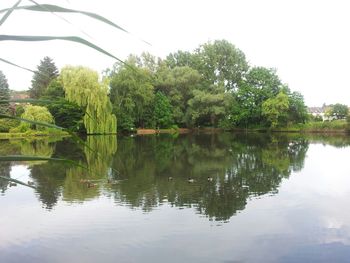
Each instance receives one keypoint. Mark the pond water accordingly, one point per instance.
(269, 198)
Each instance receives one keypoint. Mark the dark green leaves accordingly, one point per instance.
(45, 124)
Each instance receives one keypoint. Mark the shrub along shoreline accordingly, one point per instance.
(312, 127)
(31, 134)
(332, 127)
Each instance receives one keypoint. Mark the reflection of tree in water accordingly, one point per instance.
(49, 179)
(46, 175)
(99, 153)
(35, 147)
(241, 165)
(336, 140)
(5, 169)
(55, 179)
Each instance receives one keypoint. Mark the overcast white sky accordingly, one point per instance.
(307, 41)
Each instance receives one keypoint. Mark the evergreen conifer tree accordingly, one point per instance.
(4, 93)
(46, 72)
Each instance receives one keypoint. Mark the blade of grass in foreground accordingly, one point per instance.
(44, 124)
(32, 101)
(67, 38)
(58, 9)
(18, 66)
(75, 137)
(28, 158)
(16, 181)
(9, 12)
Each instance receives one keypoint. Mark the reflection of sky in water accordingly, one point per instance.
(307, 221)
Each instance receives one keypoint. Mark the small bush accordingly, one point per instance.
(174, 127)
(7, 124)
(332, 125)
(19, 129)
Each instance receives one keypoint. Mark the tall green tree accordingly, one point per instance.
(339, 111)
(222, 64)
(67, 114)
(182, 59)
(162, 111)
(45, 73)
(131, 93)
(4, 93)
(222, 67)
(297, 109)
(206, 108)
(265, 82)
(276, 109)
(178, 84)
(259, 85)
(82, 87)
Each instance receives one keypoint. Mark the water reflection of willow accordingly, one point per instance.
(241, 166)
(99, 152)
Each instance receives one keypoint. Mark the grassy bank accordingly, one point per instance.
(30, 134)
(336, 126)
(157, 131)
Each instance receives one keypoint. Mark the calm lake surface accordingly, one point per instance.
(272, 198)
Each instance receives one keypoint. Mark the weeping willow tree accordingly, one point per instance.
(82, 86)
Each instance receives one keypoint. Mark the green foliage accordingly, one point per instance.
(212, 86)
(222, 64)
(275, 109)
(178, 84)
(339, 111)
(131, 93)
(45, 73)
(265, 82)
(297, 108)
(54, 90)
(206, 108)
(182, 59)
(7, 124)
(19, 110)
(162, 111)
(82, 87)
(324, 126)
(66, 114)
(38, 114)
(259, 85)
(4, 93)
(317, 118)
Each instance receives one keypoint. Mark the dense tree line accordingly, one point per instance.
(79, 101)
(211, 86)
